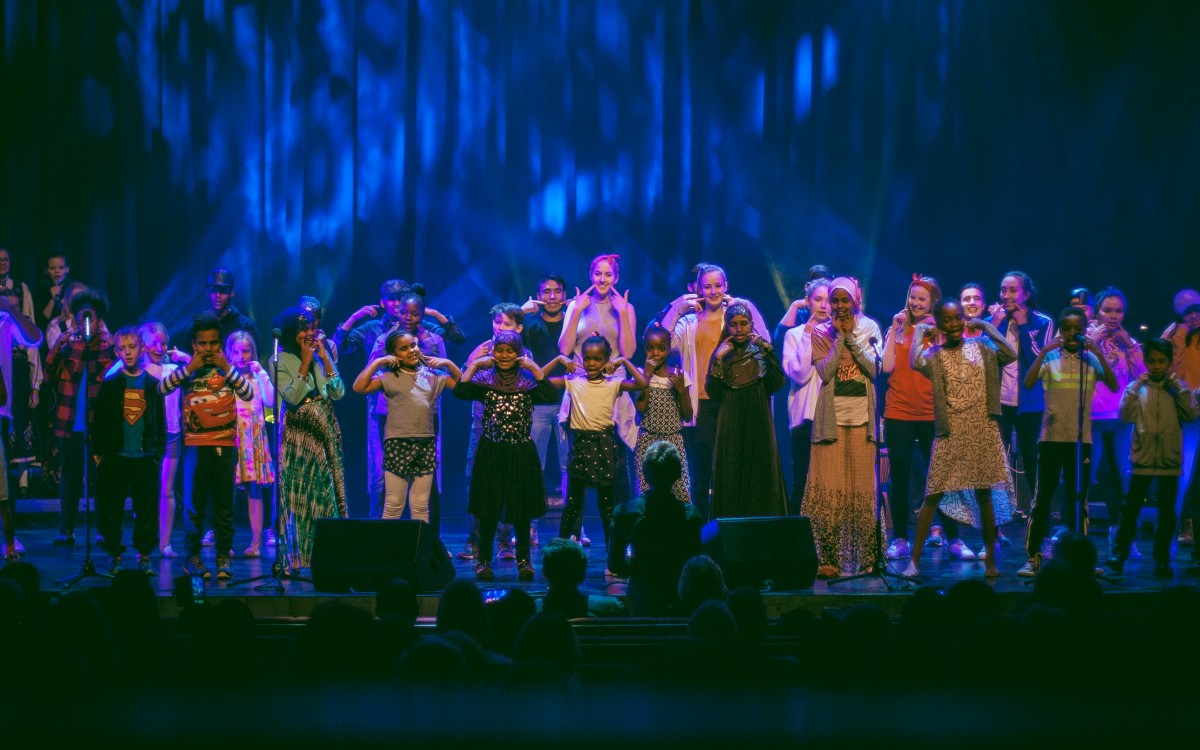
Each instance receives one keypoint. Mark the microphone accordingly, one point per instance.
(277, 333)
(872, 341)
(87, 324)
(1080, 338)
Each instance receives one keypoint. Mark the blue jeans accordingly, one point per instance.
(545, 425)
(375, 428)
(1111, 439)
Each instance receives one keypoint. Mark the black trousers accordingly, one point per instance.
(119, 477)
(1027, 426)
(1164, 532)
(701, 442)
(1056, 461)
(212, 479)
(801, 457)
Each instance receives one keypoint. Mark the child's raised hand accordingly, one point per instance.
(613, 365)
(525, 363)
(688, 303)
(221, 361)
(366, 311)
(760, 342)
(799, 304)
(571, 366)
(531, 305)
(484, 362)
(675, 376)
(652, 365)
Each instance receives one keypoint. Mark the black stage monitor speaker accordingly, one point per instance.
(362, 554)
(761, 552)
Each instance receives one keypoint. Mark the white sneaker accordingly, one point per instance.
(899, 549)
(960, 551)
(1030, 568)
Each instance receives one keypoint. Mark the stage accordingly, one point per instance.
(36, 530)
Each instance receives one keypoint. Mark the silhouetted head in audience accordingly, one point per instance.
(506, 616)
(564, 565)
(12, 606)
(1078, 552)
(712, 623)
(340, 642)
(549, 638)
(432, 661)
(662, 465)
(750, 613)
(970, 601)
(701, 580)
(461, 608)
(397, 597)
(30, 580)
(81, 639)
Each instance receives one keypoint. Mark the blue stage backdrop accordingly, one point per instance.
(321, 147)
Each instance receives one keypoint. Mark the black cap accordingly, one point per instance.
(393, 289)
(220, 277)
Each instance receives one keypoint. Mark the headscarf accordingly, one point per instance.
(822, 340)
(744, 365)
(515, 380)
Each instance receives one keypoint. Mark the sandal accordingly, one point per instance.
(252, 551)
(10, 554)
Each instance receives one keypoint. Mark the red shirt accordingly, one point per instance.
(910, 394)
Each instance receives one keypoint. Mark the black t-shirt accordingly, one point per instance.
(541, 339)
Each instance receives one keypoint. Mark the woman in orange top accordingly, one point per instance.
(1184, 335)
(908, 416)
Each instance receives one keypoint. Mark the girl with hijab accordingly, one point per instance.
(744, 372)
(841, 490)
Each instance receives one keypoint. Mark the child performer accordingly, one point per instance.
(664, 406)
(1157, 403)
(88, 348)
(840, 495)
(212, 386)
(129, 435)
(745, 371)
(506, 483)
(1060, 366)
(1109, 435)
(594, 448)
(967, 452)
(505, 316)
(1184, 335)
(254, 467)
(802, 397)
(14, 323)
(412, 384)
(161, 362)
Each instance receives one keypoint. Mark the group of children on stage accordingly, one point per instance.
(963, 381)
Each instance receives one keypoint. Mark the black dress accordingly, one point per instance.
(506, 482)
(747, 473)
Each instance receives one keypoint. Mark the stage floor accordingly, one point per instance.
(36, 532)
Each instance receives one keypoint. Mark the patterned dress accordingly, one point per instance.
(972, 455)
(254, 453)
(311, 484)
(661, 421)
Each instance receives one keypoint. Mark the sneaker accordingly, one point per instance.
(506, 552)
(64, 537)
(1116, 565)
(145, 566)
(210, 539)
(270, 537)
(960, 551)
(224, 568)
(1163, 570)
(196, 567)
(1187, 536)
(899, 549)
(583, 538)
(524, 571)
(114, 565)
(1030, 568)
(469, 551)
(937, 538)
(10, 554)
(168, 553)
(252, 551)
(483, 571)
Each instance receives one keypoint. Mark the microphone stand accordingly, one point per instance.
(279, 573)
(88, 570)
(879, 568)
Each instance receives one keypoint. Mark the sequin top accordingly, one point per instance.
(507, 415)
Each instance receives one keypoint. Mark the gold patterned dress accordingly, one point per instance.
(972, 455)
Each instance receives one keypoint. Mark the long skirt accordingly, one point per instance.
(311, 482)
(840, 500)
